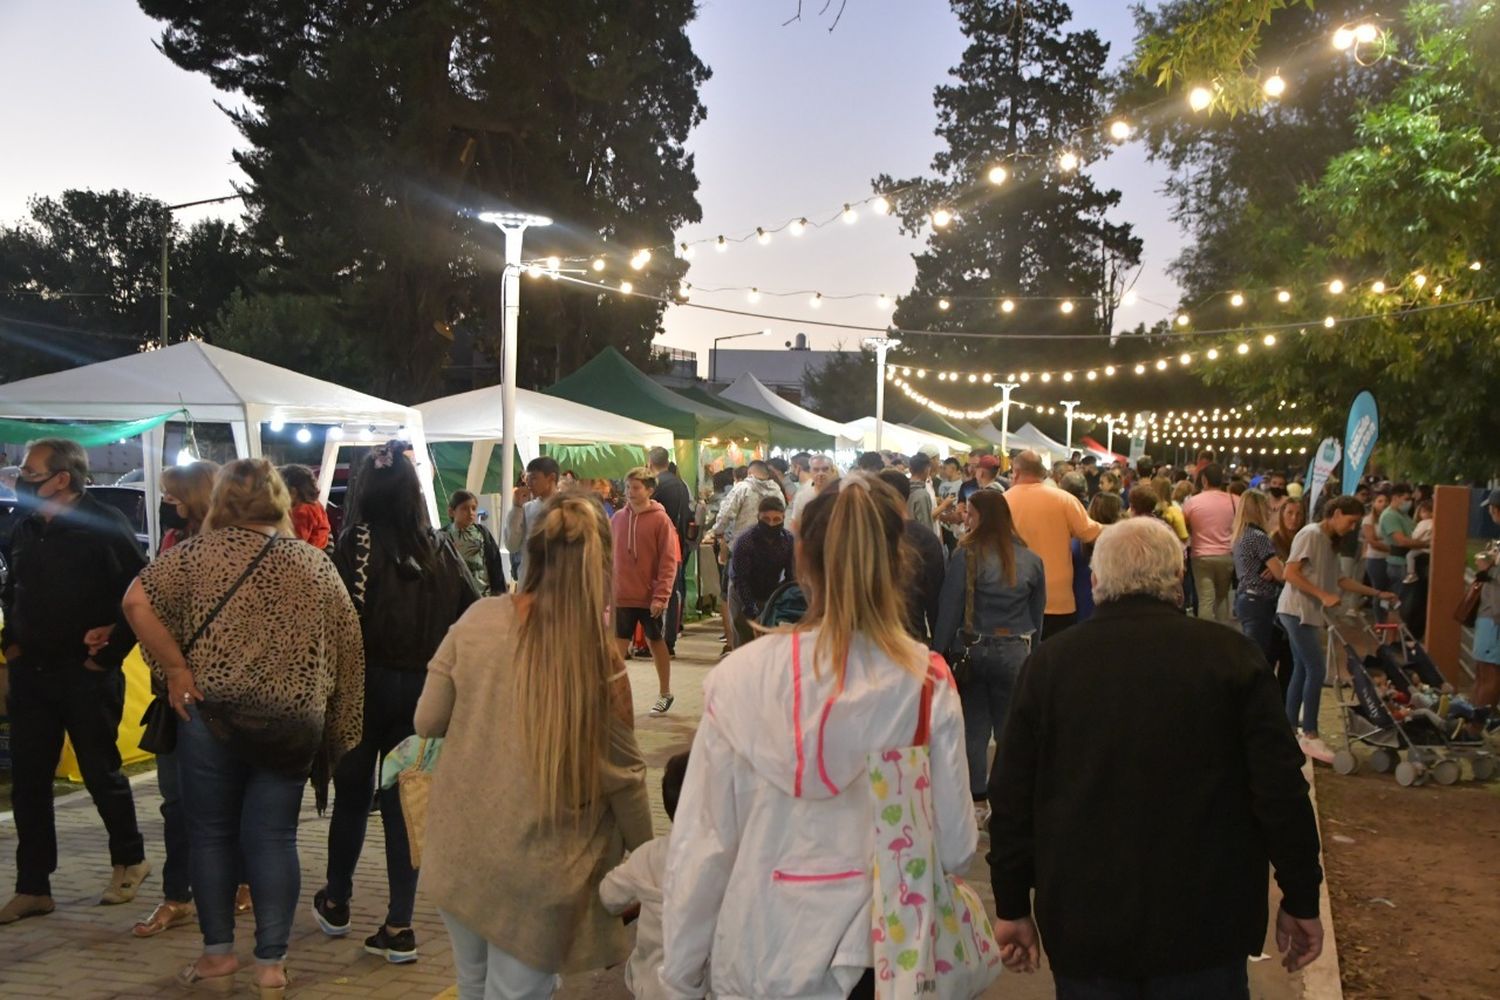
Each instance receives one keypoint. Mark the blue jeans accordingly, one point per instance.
(1226, 982)
(236, 811)
(985, 693)
(390, 703)
(1308, 669)
(176, 876)
(487, 972)
(1257, 616)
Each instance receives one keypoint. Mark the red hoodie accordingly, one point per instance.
(645, 556)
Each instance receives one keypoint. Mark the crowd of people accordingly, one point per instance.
(1010, 615)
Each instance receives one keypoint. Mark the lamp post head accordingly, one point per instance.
(514, 220)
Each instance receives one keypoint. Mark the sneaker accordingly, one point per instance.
(398, 948)
(1314, 747)
(1410, 578)
(982, 817)
(22, 906)
(662, 704)
(124, 883)
(332, 917)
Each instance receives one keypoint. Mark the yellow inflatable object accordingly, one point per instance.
(137, 697)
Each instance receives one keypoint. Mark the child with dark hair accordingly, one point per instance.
(309, 519)
(637, 882)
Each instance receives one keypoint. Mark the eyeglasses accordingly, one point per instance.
(36, 477)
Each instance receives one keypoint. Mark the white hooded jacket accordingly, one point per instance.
(769, 872)
(741, 508)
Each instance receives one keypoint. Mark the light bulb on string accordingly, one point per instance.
(1437, 290)
(1475, 265)
(1236, 300)
(849, 215)
(1026, 376)
(1068, 162)
(687, 251)
(1343, 39)
(626, 287)
(1119, 130)
(1212, 354)
(640, 260)
(1242, 349)
(1183, 319)
(1184, 358)
(1046, 376)
(335, 433)
(1419, 279)
(1336, 287)
(1140, 369)
(1366, 33)
(761, 236)
(944, 305)
(1378, 287)
(941, 218)
(1066, 307)
(816, 301)
(883, 302)
(1067, 376)
(998, 175)
(753, 295)
(1329, 322)
(881, 205)
(1269, 340)
(277, 425)
(1274, 86)
(1283, 296)
(721, 244)
(1161, 365)
(797, 227)
(684, 290)
(303, 435)
(1109, 371)
(598, 264)
(1091, 375)
(1199, 98)
(973, 378)
(1129, 298)
(533, 271)
(1007, 306)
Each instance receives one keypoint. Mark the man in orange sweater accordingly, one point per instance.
(645, 568)
(1048, 520)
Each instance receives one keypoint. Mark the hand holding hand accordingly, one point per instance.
(1020, 948)
(1300, 941)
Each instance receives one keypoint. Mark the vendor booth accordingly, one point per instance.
(903, 438)
(752, 392)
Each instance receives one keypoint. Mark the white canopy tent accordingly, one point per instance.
(1027, 436)
(215, 386)
(747, 390)
(540, 419)
(902, 438)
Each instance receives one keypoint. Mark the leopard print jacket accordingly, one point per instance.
(286, 645)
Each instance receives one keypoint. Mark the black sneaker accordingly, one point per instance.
(332, 917)
(398, 948)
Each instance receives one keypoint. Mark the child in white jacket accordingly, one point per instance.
(637, 881)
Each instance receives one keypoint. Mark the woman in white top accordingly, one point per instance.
(769, 876)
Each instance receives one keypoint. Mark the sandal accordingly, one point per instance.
(191, 978)
(275, 992)
(242, 902)
(166, 916)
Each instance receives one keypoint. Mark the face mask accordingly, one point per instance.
(1404, 506)
(28, 495)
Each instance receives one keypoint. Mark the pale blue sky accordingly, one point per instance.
(799, 120)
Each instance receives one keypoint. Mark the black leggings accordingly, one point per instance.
(865, 988)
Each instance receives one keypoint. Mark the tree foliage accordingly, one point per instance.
(1026, 91)
(843, 389)
(376, 131)
(80, 280)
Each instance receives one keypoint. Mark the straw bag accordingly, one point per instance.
(414, 785)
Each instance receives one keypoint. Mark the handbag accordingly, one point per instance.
(963, 656)
(414, 785)
(159, 735)
(1467, 612)
(929, 932)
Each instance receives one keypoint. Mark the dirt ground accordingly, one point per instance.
(1414, 878)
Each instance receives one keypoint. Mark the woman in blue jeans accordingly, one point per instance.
(1260, 572)
(994, 596)
(257, 641)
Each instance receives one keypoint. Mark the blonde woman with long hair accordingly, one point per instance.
(541, 786)
(1260, 571)
(769, 878)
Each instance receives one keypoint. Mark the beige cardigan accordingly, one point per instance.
(491, 859)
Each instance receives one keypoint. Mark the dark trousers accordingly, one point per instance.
(46, 701)
(985, 691)
(390, 703)
(1053, 624)
(674, 607)
(1226, 982)
(176, 882)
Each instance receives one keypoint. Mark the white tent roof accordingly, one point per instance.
(212, 383)
(902, 438)
(476, 416)
(748, 390)
(1029, 437)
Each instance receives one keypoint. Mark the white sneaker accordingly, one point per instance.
(662, 704)
(1314, 747)
(982, 817)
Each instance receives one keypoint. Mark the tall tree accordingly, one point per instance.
(377, 131)
(80, 280)
(1026, 93)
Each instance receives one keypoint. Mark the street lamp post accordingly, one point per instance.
(1070, 404)
(513, 225)
(881, 346)
(166, 242)
(713, 354)
(1007, 388)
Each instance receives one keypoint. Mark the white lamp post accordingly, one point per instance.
(1007, 388)
(513, 225)
(880, 345)
(1070, 404)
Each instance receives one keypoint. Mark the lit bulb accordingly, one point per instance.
(1475, 265)
(553, 263)
(1437, 290)
(1236, 300)
(1092, 375)
(185, 457)
(1007, 306)
(1129, 298)
(644, 256)
(1046, 376)
(1274, 86)
(1242, 349)
(1200, 98)
(1342, 39)
(1066, 307)
(1269, 340)
(883, 302)
(1420, 280)
(1109, 371)
(849, 215)
(1068, 162)
(1161, 365)
(753, 295)
(626, 287)
(638, 262)
(761, 236)
(998, 175)
(1366, 33)
(1283, 296)
(1119, 130)
(598, 264)
(1067, 376)
(816, 300)
(687, 252)
(336, 433)
(1212, 354)
(533, 271)
(1183, 319)
(1026, 376)
(721, 244)
(303, 435)
(973, 378)
(881, 205)
(684, 291)
(1140, 369)
(921, 373)
(943, 304)
(1378, 287)
(1335, 287)
(366, 433)
(277, 425)
(797, 227)
(1184, 358)
(1329, 322)
(941, 218)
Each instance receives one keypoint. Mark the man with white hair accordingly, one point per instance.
(1188, 763)
(821, 471)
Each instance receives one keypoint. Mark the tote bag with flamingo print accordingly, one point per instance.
(930, 936)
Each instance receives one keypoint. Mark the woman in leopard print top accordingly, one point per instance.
(282, 656)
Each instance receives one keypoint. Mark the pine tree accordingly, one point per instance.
(377, 131)
(1026, 92)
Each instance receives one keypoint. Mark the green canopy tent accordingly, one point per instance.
(935, 423)
(785, 435)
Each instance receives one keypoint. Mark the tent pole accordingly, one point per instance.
(153, 442)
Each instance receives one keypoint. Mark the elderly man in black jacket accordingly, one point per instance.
(1150, 780)
(72, 560)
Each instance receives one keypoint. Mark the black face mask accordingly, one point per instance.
(28, 495)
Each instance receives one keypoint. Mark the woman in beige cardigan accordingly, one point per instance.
(541, 787)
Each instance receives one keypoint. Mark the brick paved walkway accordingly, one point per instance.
(85, 951)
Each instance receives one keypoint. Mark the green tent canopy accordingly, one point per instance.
(784, 434)
(935, 423)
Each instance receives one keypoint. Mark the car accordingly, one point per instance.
(130, 501)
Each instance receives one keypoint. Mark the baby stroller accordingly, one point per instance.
(1396, 702)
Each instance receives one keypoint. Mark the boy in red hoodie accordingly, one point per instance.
(645, 567)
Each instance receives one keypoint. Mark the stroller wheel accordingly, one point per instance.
(1484, 768)
(1384, 761)
(1445, 772)
(1409, 774)
(1345, 762)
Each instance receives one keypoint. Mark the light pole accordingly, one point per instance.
(166, 242)
(1007, 388)
(881, 346)
(513, 225)
(1109, 421)
(713, 354)
(1070, 404)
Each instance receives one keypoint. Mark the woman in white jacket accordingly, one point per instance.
(769, 878)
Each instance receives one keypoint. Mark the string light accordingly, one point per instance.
(1184, 358)
(1236, 300)
(1475, 265)
(753, 295)
(881, 205)
(1336, 287)
(640, 260)
(1419, 279)
(1343, 38)
(1366, 33)
(1199, 98)
(720, 245)
(553, 263)
(1269, 340)
(883, 303)
(598, 264)
(1068, 162)
(941, 218)
(1183, 319)
(1007, 306)
(944, 304)
(1119, 130)
(1378, 287)
(849, 215)
(1067, 307)
(797, 227)
(1212, 354)
(1329, 322)
(998, 175)
(626, 287)
(1242, 349)
(1274, 86)
(761, 236)
(687, 252)
(1283, 296)
(816, 301)
(1140, 369)
(1130, 298)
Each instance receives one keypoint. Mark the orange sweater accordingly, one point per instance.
(1048, 519)
(310, 522)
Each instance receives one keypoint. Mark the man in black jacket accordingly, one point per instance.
(72, 560)
(672, 493)
(1144, 796)
(929, 558)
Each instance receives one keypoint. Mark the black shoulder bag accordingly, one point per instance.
(160, 720)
